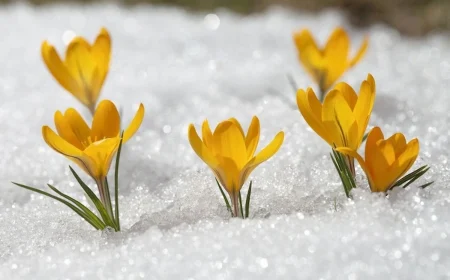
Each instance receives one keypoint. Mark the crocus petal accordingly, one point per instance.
(409, 155)
(263, 155)
(81, 65)
(200, 149)
(363, 107)
(65, 131)
(338, 119)
(348, 93)
(78, 125)
(310, 55)
(101, 52)
(252, 138)
(311, 110)
(106, 122)
(336, 53)
(361, 52)
(98, 156)
(397, 141)
(206, 134)
(229, 142)
(229, 172)
(65, 148)
(135, 124)
(238, 125)
(60, 72)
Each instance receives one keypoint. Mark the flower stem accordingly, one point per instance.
(106, 198)
(235, 201)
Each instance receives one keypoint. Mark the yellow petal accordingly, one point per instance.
(373, 137)
(206, 134)
(339, 121)
(363, 107)
(101, 52)
(106, 122)
(135, 124)
(311, 110)
(236, 122)
(310, 55)
(65, 148)
(336, 54)
(371, 82)
(60, 72)
(200, 149)
(263, 155)
(81, 66)
(409, 155)
(361, 52)
(78, 125)
(397, 141)
(348, 93)
(229, 172)
(64, 129)
(229, 142)
(98, 156)
(252, 138)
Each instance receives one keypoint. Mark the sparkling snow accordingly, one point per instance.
(186, 67)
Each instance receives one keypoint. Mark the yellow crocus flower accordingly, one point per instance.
(84, 68)
(230, 153)
(385, 160)
(343, 117)
(327, 65)
(91, 148)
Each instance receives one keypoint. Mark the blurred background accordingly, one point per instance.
(411, 17)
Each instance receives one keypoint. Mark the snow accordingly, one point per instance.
(186, 67)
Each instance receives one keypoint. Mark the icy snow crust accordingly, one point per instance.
(185, 69)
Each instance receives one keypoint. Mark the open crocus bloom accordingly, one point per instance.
(92, 149)
(343, 117)
(385, 160)
(327, 65)
(84, 68)
(230, 153)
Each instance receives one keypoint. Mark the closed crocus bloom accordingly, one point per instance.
(84, 68)
(91, 148)
(343, 117)
(326, 65)
(386, 161)
(230, 153)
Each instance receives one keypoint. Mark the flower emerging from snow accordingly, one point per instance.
(230, 153)
(84, 68)
(327, 65)
(343, 117)
(385, 160)
(92, 149)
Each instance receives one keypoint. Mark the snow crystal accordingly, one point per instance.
(186, 67)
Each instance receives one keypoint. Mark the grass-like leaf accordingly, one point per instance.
(80, 212)
(365, 137)
(116, 182)
(224, 197)
(98, 204)
(240, 206)
(412, 177)
(80, 205)
(247, 201)
(348, 182)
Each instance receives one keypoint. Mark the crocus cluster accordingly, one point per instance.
(343, 116)
(340, 117)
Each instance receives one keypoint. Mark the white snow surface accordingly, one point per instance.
(184, 68)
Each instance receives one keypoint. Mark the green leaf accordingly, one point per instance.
(426, 185)
(116, 181)
(224, 196)
(240, 205)
(365, 137)
(98, 204)
(348, 182)
(247, 200)
(86, 210)
(71, 206)
(108, 205)
(418, 172)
